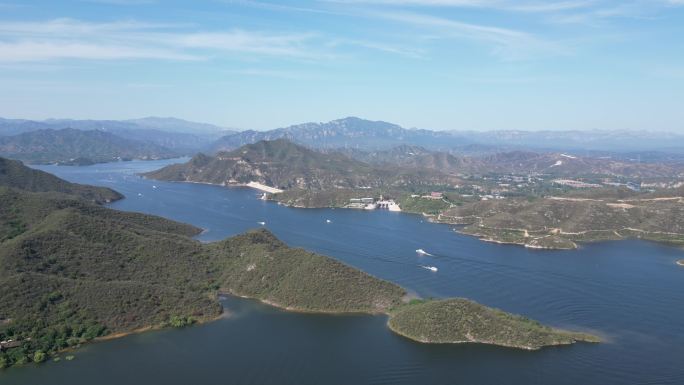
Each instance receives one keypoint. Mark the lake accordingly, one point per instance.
(629, 292)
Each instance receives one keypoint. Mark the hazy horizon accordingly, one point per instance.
(460, 65)
(341, 118)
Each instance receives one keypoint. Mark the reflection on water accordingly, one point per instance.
(629, 291)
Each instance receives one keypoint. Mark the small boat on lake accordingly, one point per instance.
(262, 223)
(431, 268)
(423, 252)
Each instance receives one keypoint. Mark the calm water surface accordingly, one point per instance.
(629, 292)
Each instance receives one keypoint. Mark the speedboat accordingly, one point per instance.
(431, 268)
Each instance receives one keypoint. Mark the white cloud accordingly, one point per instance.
(506, 43)
(73, 39)
(35, 51)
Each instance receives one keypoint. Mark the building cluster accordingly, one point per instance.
(372, 204)
(575, 183)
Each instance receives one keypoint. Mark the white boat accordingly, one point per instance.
(261, 223)
(328, 221)
(423, 252)
(431, 268)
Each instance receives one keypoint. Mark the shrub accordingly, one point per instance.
(39, 356)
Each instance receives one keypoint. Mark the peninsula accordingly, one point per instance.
(538, 214)
(89, 272)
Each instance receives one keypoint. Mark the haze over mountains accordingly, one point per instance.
(72, 146)
(176, 134)
(375, 142)
(519, 162)
(363, 134)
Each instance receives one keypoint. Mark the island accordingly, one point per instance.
(73, 271)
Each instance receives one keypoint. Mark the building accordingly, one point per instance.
(4, 345)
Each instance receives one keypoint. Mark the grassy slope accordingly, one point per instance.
(557, 223)
(459, 320)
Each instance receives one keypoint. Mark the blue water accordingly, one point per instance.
(629, 292)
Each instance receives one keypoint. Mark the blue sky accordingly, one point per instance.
(437, 64)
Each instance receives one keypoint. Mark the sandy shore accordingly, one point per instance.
(149, 328)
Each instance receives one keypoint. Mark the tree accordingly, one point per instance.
(39, 356)
(180, 321)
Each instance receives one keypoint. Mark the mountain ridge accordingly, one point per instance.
(285, 165)
(71, 145)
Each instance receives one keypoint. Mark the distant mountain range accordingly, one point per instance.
(344, 133)
(177, 134)
(72, 146)
(619, 141)
(517, 162)
(356, 133)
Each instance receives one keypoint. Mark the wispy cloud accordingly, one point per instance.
(33, 51)
(402, 50)
(73, 39)
(506, 43)
(274, 73)
(505, 5)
